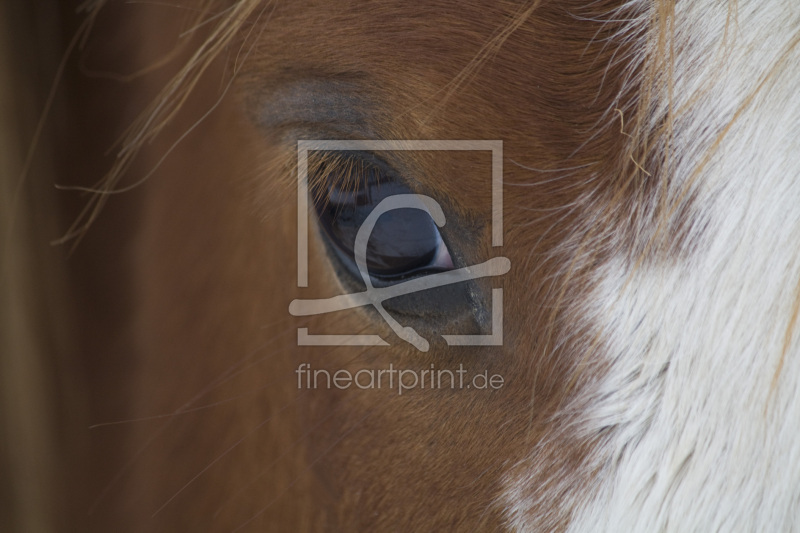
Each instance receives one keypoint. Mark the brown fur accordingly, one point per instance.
(183, 283)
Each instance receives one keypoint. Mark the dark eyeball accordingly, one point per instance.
(404, 242)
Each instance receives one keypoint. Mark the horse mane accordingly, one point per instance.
(221, 24)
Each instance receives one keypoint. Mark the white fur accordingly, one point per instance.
(698, 437)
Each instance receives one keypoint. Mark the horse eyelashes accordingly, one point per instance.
(404, 243)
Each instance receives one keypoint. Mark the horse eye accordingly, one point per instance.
(403, 243)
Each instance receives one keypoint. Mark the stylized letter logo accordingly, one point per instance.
(375, 296)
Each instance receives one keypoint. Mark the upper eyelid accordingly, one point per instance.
(347, 162)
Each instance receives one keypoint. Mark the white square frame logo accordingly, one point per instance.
(304, 338)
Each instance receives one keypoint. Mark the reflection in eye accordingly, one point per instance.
(403, 243)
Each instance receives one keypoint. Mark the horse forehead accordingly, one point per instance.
(544, 82)
(497, 58)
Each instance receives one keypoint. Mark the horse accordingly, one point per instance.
(390, 266)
